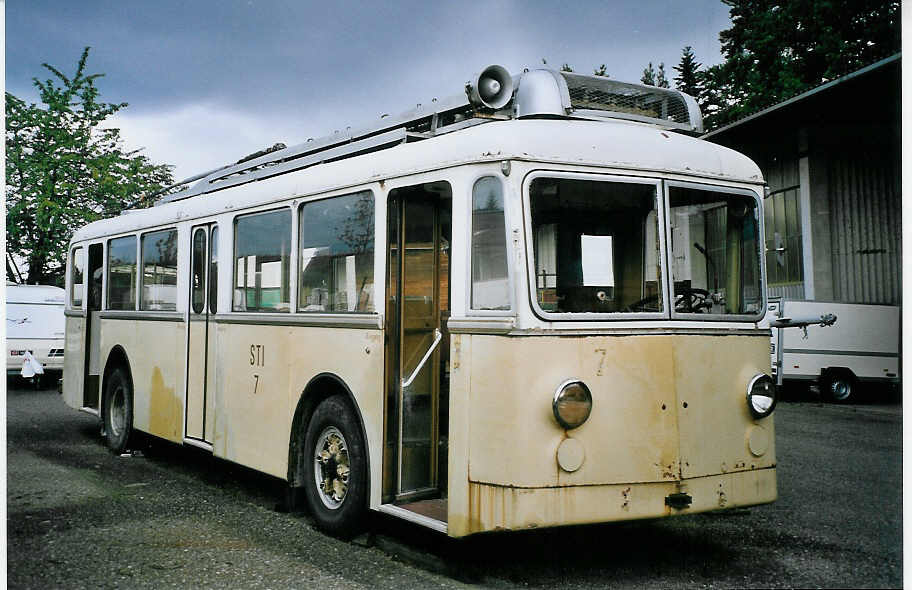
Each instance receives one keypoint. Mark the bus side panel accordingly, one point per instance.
(716, 428)
(74, 361)
(157, 360)
(356, 357)
(252, 415)
(263, 371)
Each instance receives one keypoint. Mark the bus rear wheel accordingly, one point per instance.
(335, 468)
(117, 411)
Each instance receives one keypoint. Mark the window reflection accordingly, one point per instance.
(262, 254)
(337, 254)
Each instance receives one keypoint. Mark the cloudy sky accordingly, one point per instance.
(209, 82)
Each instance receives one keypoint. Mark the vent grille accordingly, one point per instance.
(597, 93)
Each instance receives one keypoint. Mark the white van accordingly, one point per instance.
(35, 324)
(863, 345)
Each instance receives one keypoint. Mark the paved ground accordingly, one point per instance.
(79, 517)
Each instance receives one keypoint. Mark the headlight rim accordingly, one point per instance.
(750, 388)
(557, 397)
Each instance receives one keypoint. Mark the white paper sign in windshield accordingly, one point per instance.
(598, 261)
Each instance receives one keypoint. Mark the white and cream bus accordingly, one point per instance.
(534, 304)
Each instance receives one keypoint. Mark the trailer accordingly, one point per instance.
(34, 326)
(862, 345)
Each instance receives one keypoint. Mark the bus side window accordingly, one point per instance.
(337, 254)
(122, 273)
(159, 278)
(490, 280)
(77, 285)
(262, 254)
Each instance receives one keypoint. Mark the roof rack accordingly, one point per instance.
(492, 95)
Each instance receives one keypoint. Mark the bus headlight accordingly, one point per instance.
(572, 403)
(761, 396)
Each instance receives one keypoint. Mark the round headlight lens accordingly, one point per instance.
(761, 396)
(572, 403)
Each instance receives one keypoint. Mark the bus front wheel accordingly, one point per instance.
(117, 411)
(335, 468)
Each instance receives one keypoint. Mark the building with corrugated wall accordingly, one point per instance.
(832, 159)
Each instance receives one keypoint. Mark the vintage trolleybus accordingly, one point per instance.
(533, 304)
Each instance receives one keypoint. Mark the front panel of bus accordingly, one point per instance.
(632, 383)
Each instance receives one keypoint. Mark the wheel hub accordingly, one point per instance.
(117, 411)
(331, 467)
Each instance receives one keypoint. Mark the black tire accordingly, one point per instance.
(335, 486)
(117, 411)
(839, 387)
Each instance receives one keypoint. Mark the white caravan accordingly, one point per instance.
(35, 324)
(862, 345)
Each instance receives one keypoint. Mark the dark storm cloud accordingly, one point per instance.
(208, 82)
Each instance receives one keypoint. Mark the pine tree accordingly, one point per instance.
(661, 81)
(649, 76)
(688, 79)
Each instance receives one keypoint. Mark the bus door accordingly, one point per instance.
(199, 414)
(95, 275)
(418, 303)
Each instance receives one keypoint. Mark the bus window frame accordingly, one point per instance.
(297, 206)
(69, 275)
(511, 270)
(663, 277)
(289, 206)
(720, 188)
(141, 267)
(106, 247)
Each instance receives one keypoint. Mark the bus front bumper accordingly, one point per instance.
(494, 507)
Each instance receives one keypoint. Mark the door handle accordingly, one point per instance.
(437, 337)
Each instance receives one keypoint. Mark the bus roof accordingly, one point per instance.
(44, 294)
(614, 144)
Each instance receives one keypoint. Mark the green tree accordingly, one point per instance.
(689, 79)
(775, 50)
(65, 169)
(602, 70)
(653, 77)
(661, 80)
(649, 76)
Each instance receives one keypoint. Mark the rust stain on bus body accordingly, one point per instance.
(165, 408)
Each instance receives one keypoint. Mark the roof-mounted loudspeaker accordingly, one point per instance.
(492, 88)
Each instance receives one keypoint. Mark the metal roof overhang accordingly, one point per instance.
(869, 95)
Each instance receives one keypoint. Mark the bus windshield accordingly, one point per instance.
(595, 245)
(714, 251)
(596, 248)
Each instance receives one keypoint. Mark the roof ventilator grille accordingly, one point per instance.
(646, 103)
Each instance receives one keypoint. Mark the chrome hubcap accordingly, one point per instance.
(117, 412)
(331, 467)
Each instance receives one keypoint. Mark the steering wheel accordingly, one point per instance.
(692, 301)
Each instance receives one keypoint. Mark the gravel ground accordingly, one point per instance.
(79, 517)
